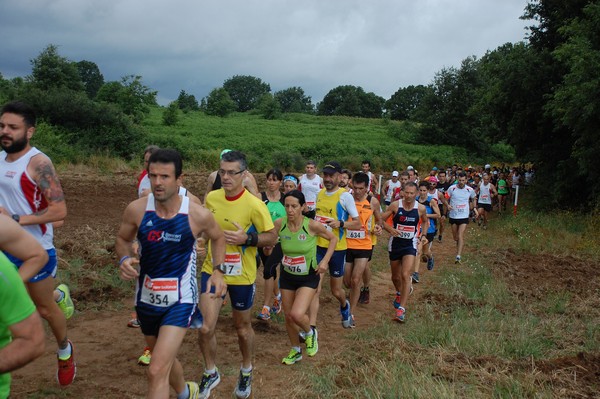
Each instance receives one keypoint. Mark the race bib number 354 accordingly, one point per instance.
(161, 292)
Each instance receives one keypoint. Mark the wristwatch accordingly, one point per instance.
(222, 268)
(16, 218)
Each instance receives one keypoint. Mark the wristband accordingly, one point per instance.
(341, 224)
(123, 259)
(16, 218)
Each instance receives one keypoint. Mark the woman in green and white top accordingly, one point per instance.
(300, 273)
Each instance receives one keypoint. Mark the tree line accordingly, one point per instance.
(538, 98)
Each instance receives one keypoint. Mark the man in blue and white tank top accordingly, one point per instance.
(409, 218)
(167, 224)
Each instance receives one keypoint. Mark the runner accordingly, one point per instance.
(430, 203)
(485, 193)
(502, 192)
(290, 182)
(407, 216)
(346, 180)
(334, 206)
(143, 183)
(30, 193)
(462, 201)
(310, 184)
(442, 186)
(300, 272)
(366, 169)
(390, 187)
(247, 225)
(166, 225)
(360, 245)
(22, 337)
(214, 181)
(271, 258)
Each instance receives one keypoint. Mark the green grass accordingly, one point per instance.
(291, 140)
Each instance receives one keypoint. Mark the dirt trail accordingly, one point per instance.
(107, 351)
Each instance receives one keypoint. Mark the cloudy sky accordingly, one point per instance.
(379, 45)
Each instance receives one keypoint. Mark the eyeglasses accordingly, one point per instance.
(231, 173)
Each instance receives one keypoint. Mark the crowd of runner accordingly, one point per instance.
(186, 255)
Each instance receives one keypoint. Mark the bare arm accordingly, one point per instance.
(250, 184)
(19, 243)
(317, 228)
(28, 343)
(125, 237)
(42, 172)
(209, 183)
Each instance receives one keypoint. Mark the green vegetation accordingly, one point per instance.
(289, 141)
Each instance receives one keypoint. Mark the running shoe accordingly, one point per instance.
(134, 322)
(144, 360)
(367, 297)
(194, 389)
(66, 303)
(440, 238)
(361, 297)
(485, 226)
(479, 221)
(293, 357)
(399, 297)
(415, 277)
(312, 343)
(67, 368)
(276, 308)
(244, 385)
(430, 263)
(346, 316)
(457, 261)
(400, 313)
(265, 314)
(208, 383)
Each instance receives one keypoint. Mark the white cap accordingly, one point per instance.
(395, 173)
(410, 168)
(487, 166)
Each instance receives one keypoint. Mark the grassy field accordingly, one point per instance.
(288, 142)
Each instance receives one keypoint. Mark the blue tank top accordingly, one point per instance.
(167, 258)
(429, 210)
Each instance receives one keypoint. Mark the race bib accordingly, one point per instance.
(161, 292)
(462, 209)
(295, 264)
(311, 205)
(405, 232)
(356, 234)
(484, 198)
(233, 261)
(324, 221)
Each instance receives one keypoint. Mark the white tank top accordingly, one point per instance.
(20, 195)
(310, 189)
(484, 194)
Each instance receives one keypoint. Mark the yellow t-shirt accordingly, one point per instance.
(250, 213)
(330, 208)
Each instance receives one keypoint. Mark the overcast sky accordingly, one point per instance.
(379, 45)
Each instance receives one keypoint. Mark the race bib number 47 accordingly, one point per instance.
(161, 292)
(233, 261)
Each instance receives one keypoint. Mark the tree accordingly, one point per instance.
(130, 94)
(351, 101)
(90, 76)
(218, 103)
(269, 107)
(404, 102)
(187, 102)
(293, 99)
(170, 114)
(50, 70)
(245, 91)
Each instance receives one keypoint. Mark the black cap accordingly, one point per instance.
(332, 167)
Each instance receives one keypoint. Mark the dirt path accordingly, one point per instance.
(107, 350)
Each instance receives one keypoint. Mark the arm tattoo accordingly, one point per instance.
(48, 182)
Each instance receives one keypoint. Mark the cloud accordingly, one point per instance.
(317, 45)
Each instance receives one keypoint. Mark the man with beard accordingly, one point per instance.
(334, 207)
(30, 193)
